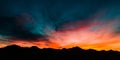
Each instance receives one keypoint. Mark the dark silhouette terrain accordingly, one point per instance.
(15, 52)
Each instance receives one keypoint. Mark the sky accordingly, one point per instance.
(89, 24)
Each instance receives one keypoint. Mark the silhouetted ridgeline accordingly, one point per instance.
(76, 53)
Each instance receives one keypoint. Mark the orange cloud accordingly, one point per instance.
(96, 35)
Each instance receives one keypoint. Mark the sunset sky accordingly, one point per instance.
(89, 24)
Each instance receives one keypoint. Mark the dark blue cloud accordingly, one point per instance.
(47, 14)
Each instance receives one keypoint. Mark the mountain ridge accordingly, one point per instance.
(75, 53)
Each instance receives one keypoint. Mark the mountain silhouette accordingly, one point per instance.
(14, 52)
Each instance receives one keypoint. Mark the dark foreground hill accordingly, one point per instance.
(14, 52)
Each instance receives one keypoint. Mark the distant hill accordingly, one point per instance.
(15, 52)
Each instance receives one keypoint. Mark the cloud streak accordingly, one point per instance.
(60, 24)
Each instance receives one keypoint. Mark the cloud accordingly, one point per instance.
(59, 23)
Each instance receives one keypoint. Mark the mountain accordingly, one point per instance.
(14, 52)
